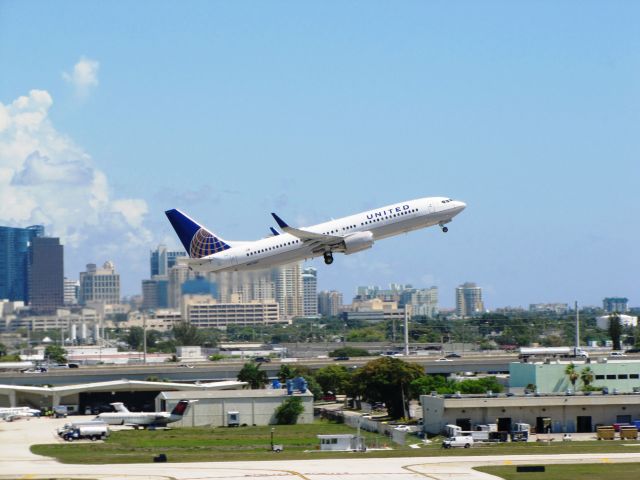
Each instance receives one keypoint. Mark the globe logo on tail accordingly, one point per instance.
(204, 243)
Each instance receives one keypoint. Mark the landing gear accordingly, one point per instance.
(328, 258)
(445, 229)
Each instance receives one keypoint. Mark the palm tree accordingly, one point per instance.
(573, 375)
(586, 375)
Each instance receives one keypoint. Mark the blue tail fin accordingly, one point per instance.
(197, 240)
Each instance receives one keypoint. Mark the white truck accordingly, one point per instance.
(554, 352)
(464, 441)
(84, 430)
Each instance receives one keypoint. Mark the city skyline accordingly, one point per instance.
(231, 112)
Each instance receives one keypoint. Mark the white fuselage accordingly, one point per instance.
(137, 418)
(286, 248)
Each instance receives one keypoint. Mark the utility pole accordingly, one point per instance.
(577, 329)
(144, 338)
(406, 331)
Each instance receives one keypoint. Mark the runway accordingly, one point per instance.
(16, 461)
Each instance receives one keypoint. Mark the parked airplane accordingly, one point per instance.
(122, 416)
(11, 413)
(210, 253)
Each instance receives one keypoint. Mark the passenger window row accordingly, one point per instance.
(263, 250)
(387, 217)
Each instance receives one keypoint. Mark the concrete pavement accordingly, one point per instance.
(16, 461)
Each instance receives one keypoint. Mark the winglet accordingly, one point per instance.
(274, 231)
(281, 223)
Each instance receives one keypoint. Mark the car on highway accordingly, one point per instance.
(453, 355)
(262, 360)
(340, 359)
(443, 359)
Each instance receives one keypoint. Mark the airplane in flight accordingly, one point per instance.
(122, 416)
(209, 252)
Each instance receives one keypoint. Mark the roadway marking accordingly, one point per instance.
(434, 476)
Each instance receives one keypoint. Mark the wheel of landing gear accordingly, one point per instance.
(328, 259)
(445, 229)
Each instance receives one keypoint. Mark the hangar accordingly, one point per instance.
(79, 398)
(229, 408)
(545, 413)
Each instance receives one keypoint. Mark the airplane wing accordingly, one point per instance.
(318, 241)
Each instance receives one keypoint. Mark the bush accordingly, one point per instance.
(289, 411)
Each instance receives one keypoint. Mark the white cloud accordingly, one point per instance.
(45, 178)
(84, 76)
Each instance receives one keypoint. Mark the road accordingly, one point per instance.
(228, 370)
(16, 461)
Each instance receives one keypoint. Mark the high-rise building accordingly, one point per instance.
(310, 292)
(329, 303)
(155, 292)
(178, 274)
(615, 304)
(288, 283)
(14, 244)
(161, 260)
(46, 274)
(99, 284)
(423, 302)
(71, 291)
(469, 300)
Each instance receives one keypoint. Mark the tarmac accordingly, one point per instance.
(16, 461)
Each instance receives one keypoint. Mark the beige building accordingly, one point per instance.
(251, 407)
(469, 300)
(546, 414)
(99, 284)
(205, 311)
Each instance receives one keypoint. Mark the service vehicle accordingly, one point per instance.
(89, 430)
(464, 441)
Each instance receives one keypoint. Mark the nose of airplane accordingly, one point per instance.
(459, 206)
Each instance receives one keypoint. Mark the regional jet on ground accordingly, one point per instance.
(210, 253)
(122, 416)
(11, 413)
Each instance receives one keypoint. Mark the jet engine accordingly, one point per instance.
(357, 242)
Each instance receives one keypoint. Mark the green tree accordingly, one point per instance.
(187, 334)
(387, 380)
(55, 353)
(135, 337)
(285, 372)
(3, 349)
(349, 352)
(571, 372)
(615, 330)
(479, 385)
(289, 411)
(431, 383)
(252, 374)
(333, 378)
(586, 375)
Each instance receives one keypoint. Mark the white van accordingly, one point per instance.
(465, 441)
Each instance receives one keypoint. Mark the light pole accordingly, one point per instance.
(272, 430)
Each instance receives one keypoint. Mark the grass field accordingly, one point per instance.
(599, 471)
(252, 443)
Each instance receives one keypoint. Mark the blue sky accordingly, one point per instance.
(527, 111)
